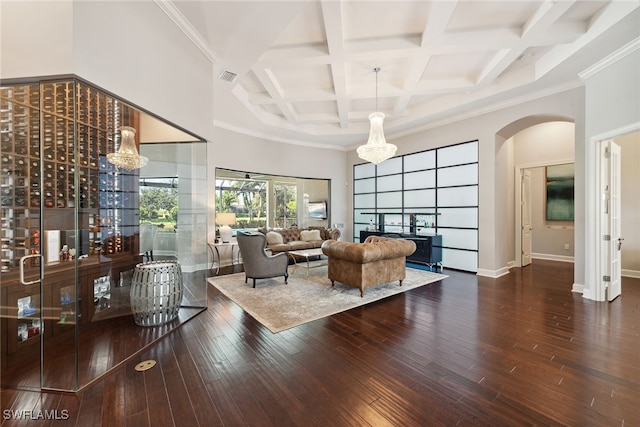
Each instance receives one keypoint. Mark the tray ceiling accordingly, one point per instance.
(304, 69)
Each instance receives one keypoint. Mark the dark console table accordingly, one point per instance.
(428, 248)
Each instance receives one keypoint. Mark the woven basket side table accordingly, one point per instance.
(156, 292)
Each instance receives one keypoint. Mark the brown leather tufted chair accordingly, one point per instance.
(363, 265)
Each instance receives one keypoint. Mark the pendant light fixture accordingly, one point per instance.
(127, 156)
(376, 149)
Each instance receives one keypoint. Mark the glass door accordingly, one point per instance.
(23, 322)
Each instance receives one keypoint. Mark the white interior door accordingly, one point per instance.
(612, 245)
(526, 217)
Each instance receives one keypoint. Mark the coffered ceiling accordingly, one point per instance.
(304, 69)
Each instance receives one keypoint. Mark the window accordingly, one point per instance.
(286, 206)
(246, 198)
(441, 181)
(275, 201)
(159, 202)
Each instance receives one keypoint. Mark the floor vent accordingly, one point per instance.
(145, 366)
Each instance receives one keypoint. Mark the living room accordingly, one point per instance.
(581, 103)
(153, 64)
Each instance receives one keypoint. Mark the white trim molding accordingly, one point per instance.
(551, 257)
(494, 274)
(631, 273)
(578, 288)
(593, 288)
(625, 50)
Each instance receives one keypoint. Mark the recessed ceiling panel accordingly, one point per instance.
(380, 19)
(305, 68)
(478, 15)
(303, 78)
(466, 66)
(327, 108)
(306, 28)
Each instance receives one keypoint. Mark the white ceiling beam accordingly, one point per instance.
(332, 17)
(605, 19)
(440, 14)
(270, 83)
(537, 25)
(303, 95)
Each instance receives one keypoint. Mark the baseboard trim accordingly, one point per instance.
(494, 274)
(578, 288)
(550, 257)
(631, 273)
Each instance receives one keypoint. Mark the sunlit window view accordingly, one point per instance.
(246, 198)
(159, 202)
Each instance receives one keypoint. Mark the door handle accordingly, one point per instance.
(22, 260)
(620, 239)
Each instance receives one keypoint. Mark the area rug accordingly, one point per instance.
(279, 307)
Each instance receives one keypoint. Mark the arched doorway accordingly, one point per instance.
(532, 145)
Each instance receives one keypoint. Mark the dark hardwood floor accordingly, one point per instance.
(518, 350)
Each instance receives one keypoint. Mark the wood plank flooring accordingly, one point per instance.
(518, 350)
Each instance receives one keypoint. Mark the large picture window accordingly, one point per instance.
(273, 201)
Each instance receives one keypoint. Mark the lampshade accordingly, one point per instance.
(225, 219)
(376, 149)
(127, 156)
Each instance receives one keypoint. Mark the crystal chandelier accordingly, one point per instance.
(376, 149)
(127, 156)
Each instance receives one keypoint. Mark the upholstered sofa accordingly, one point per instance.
(363, 265)
(296, 239)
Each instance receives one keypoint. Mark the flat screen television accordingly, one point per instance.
(318, 210)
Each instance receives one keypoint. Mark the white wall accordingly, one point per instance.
(133, 49)
(36, 38)
(545, 144)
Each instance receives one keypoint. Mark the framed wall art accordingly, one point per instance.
(560, 192)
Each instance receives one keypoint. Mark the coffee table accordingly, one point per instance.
(306, 254)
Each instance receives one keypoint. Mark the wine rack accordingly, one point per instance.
(119, 204)
(54, 139)
(19, 174)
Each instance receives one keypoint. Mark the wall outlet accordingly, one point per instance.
(566, 247)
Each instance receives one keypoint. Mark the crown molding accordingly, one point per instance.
(179, 19)
(248, 132)
(490, 108)
(390, 136)
(624, 51)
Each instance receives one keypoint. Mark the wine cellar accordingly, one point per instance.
(68, 217)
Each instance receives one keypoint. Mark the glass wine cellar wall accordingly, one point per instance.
(69, 230)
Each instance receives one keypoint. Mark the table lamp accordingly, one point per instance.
(224, 220)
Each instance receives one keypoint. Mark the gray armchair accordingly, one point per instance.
(257, 264)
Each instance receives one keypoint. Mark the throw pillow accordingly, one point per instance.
(274, 238)
(309, 235)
